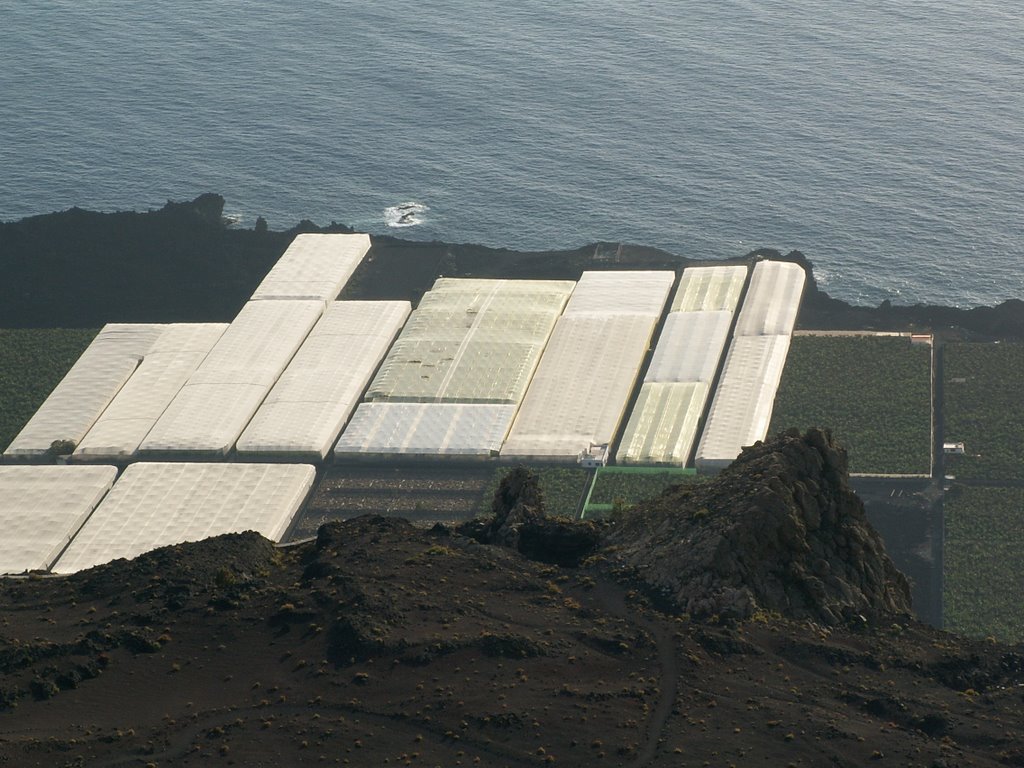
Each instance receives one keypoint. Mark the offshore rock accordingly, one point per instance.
(779, 530)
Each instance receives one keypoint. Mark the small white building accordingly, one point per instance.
(595, 456)
(956, 449)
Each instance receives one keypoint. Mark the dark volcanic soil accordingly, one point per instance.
(384, 644)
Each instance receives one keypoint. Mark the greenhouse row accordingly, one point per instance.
(452, 382)
(84, 393)
(664, 424)
(710, 289)
(315, 267)
(741, 411)
(213, 408)
(314, 397)
(41, 509)
(471, 341)
(467, 430)
(172, 359)
(522, 369)
(69, 518)
(191, 389)
(586, 377)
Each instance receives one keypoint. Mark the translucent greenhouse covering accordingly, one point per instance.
(581, 386)
(641, 292)
(159, 504)
(773, 299)
(663, 425)
(742, 407)
(42, 507)
(315, 266)
(211, 410)
(305, 411)
(471, 341)
(170, 362)
(426, 429)
(690, 347)
(709, 289)
(82, 395)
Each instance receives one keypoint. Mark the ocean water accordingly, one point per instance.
(883, 138)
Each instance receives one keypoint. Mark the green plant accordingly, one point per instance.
(32, 363)
(873, 392)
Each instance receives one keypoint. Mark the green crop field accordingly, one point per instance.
(982, 407)
(561, 487)
(32, 363)
(626, 486)
(874, 392)
(983, 562)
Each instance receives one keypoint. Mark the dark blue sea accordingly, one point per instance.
(883, 138)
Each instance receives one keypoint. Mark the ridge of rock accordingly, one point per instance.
(780, 530)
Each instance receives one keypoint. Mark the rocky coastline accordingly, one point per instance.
(185, 263)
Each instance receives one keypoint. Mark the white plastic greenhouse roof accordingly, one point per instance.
(426, 429)
(159, 504)
(581, 387)
(305, 411)
(641, 292)
(690, 347)
(170, 362)
(315, 266)
(42, 507)
(663, 425)
(471, 341)
(773, 299)
(709, 289)
(742, 407)
(83, 394)
(213, 408)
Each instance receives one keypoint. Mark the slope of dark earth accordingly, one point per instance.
(380, 643)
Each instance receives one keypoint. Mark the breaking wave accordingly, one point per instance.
(405, 214)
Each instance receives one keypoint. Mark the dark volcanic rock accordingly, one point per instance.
(518, 522)
(779, 530)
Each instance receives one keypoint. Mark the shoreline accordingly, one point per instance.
(184, 262)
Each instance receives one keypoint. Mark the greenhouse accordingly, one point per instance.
(87, 389)
(211, 410)
(581, 386)
(305, 411)
(663, 425)
(41, 508)
(464, 430)
(690, 347)
(631, 292)
(773, 299)
(170, 362)
(315, 266)
(742, 407)
(156, 505)
(709, 289)
(471, 341)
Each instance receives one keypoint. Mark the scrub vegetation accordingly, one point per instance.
(32, 363)
(873, 392)
(982, 567)
(982, 409)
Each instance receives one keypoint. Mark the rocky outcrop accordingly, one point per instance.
(779, 530)
(518, 522)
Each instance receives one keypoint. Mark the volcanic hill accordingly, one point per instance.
(754, 620)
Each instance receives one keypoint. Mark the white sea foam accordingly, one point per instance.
(405, 214)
